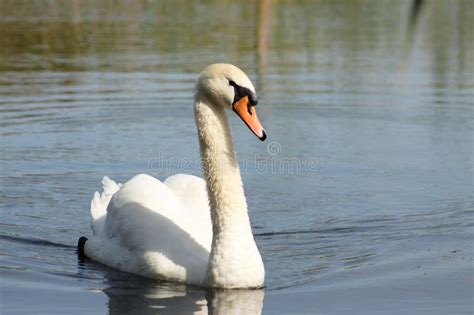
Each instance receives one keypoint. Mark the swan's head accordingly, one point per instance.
(227, 86)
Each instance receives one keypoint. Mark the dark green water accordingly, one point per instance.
(372, 102)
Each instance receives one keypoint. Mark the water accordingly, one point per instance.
(372, 100)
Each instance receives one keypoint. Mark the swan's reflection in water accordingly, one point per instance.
(235, 302)
(129, 294)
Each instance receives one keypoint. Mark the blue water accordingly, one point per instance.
(360, 199)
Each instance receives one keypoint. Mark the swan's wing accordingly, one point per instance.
(181, 198)
(152, 228)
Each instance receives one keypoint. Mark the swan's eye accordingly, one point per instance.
(241, 91)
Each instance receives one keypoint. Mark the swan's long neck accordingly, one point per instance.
(234, 260)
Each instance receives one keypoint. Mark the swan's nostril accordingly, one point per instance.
(249, 109)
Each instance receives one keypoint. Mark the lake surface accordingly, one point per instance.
(361, 199)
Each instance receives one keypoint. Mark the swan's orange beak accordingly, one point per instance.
(247, 112)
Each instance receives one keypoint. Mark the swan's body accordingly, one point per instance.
(187, 229)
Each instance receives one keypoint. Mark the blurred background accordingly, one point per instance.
(379, 93)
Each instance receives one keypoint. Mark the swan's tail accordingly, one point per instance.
(100, 202)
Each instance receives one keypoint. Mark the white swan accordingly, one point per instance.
(187, 229)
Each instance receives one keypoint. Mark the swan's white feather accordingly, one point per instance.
(156, 229)
(100, 202)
